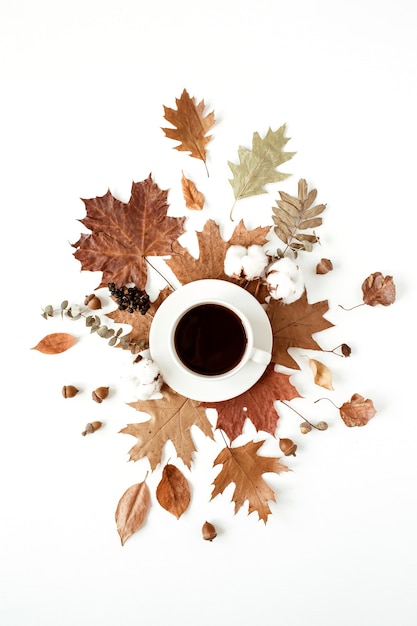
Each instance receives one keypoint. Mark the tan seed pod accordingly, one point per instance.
(93, 301)
(208, 531)
(324, 266)
(322, 425)
(288, 447)
(69, 391)
(100, 394)
(91, 427)
(305, 427)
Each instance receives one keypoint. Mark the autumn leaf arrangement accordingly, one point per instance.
(121, 243)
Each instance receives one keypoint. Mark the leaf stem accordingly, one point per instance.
(158, 272)
(353, 307)
(299, 414)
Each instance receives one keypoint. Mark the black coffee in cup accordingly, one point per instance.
(210, 339)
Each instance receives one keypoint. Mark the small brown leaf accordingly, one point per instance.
(55, 343)
(194, 199)
(378, 289)
(132, 509)
(322, 374)
(173, 491)
(358, 411)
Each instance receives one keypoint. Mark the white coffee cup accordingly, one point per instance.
(194, 380)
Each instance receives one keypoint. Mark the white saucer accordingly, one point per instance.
(204, 388)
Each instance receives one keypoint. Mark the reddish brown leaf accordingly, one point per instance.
(122, 235)
(244, 467)
(55, 343)
(171, 419)
(131, 510)
(358, 411)
(173, 491)
(378, 289)
(191, 126)
(194, 199)
(293, 326)
(256, 404)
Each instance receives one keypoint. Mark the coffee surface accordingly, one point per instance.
(210, 339)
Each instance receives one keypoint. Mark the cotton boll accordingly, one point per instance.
(285, 281)
(144, 391)
(146, 370)
(244, 262)
(233, 260)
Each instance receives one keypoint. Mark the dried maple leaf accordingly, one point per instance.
(378, 289)
(293, 326)
(256, 404)
(131, 510)
(140, 324)
(191, 126)
(194, 199)
(358, 411)
(173, 491)
(257, 167)
(244, 467)
(212, 250)
(171, 419)
(55, 343)
(123, 235)
(292, 215)
(322, 374)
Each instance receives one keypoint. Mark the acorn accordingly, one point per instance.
(208, 531)
(100, 394)
(93, 301)
(288, 447)
(324, 266)
(322, 425)
(91, 427)
(305, 427)
(69, 391)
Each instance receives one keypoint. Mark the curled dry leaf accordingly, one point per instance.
(132, 509)
(55, 343)
(322, 374)
(173, 491)
(194, 199)
(358, 411)
(378, 289)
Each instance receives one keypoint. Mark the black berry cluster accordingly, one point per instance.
(130, 299)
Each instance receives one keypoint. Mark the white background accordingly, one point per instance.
(83, 86)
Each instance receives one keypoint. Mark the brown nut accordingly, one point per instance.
(288, 447)
(305, 427)
(208, 531)
(322, 425)
(324, 266)
(91, 427)
(100, 394)
(93, 301)
(69, 391)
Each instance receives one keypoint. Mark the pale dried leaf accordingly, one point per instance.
(132, 509)
(322, 374)
(194, 199)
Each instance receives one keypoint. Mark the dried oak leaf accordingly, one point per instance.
(293, 326)
(171, 419)
(140, 324)
(358, 411)
(256, 404)
(55, 343)
(191, 125)
(122, 235)
(194, 199)
(212, 251)
(173, 491)
(244, 467)
(131, 510)
(257, 166)
(378, 289)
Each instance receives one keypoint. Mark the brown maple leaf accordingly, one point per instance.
(358, 411)
(293, 326)
(212, 251)
(244, 467)
(123, 235)
(191, 126)
(256, 404)
(141, 324)
(171, 419)
(378, 289)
